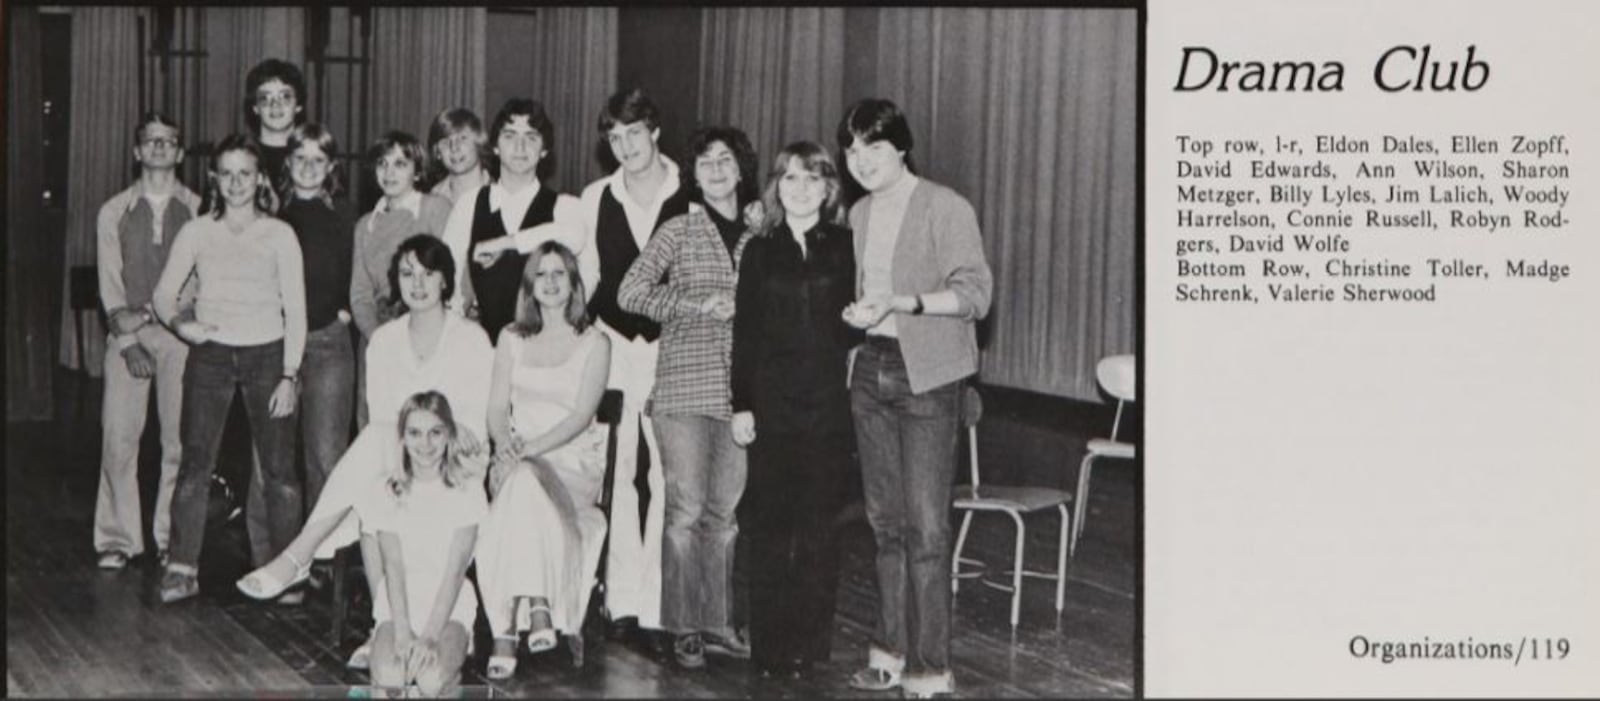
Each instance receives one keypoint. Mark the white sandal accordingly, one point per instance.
(260, 584)
(502, 667)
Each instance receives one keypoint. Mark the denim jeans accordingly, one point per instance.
(908, 460)
(327, 397)
(213, 373)
(118, 524)
(705, 474)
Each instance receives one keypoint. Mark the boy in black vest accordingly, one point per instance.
(620, 212)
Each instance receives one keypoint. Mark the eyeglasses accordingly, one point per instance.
(277, 98)
(160, 141)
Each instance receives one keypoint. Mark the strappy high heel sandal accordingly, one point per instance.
(538, 640)
(262, 585)
(503, 667)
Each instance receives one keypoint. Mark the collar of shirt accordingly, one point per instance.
(509, 203)
(411, 202)
(158, 203)
(667, 189)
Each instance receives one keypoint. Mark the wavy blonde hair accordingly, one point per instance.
(453, 471)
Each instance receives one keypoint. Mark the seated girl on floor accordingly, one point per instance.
(425, 517)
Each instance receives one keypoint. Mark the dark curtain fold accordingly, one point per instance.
(773, 72)
(574, 71)
(29, 348)
(424, 60)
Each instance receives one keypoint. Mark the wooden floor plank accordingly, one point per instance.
(107, 629)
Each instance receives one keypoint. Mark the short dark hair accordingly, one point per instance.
(266, 200)
(447, 124)
(627, 107)
(875, 119)
(315, 133)
(405, 143)
(530, 318)
(433, 254)
(538, 119)
(736, 141)
(266, 71)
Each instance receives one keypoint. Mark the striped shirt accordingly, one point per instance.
(696, 349)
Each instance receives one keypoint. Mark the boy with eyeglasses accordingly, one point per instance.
(273, 94)
(134, 234)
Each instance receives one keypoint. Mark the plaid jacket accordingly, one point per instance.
(684, 262)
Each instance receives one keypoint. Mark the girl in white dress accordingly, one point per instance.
(425, 517)
(541, 543)
(428, 348)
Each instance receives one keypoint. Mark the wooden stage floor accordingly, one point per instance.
(73, 630)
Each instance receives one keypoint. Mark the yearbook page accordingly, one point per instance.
(1372, 307)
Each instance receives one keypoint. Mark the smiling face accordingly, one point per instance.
(520, 147)
(397, 174)
(158, 147)
(552, 284)
(634, 145)
(308, 168)
(276, 105)
(877, 165)
(420, 288)
(801, 191)
(237, 178)
(425, 437)
(716, 171)
(459, 152)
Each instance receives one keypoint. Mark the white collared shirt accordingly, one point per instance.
(567, 226)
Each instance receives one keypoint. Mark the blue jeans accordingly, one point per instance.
(907, 443)
(705, 475)
(213, 372)
(327, 398)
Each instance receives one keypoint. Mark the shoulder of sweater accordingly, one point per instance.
(435, 203)
(940, 196)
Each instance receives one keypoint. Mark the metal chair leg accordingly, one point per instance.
(1082, 497)
(955, 562)
(1061, 559)
(1016, 572)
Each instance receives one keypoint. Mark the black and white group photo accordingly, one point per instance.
(715, 352)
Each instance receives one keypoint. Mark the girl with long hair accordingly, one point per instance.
(542, 540)
(248, 333)
(425, 519)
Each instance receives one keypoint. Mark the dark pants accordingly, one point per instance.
(327, 397)
(908, 460)
(210, 378)
(795, 490)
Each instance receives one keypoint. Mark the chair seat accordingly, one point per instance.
(1110, 448)
(1001, 498)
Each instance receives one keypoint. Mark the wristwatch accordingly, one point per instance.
(917, 310)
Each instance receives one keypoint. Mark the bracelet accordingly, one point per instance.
(295, 379)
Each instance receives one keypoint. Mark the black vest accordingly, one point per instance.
(496, 286)
(614, 243)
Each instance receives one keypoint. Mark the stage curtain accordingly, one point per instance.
(574, 71)
(29, 360)
(104, 106)
(1031, 115)
(773, 72)
(424, 60)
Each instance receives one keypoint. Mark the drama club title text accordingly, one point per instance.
(1400, 69)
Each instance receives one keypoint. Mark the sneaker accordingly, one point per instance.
(726, 646)
(690, 651)
(113, 560)
(874, 679)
